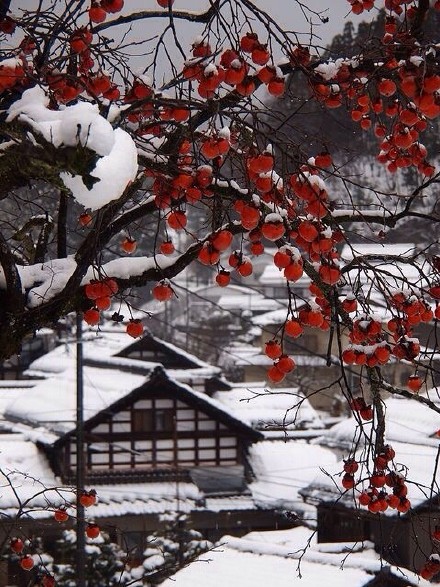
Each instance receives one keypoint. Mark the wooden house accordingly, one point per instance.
(152, 445)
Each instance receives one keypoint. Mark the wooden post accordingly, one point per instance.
(80, 465)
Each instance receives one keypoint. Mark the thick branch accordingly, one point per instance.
(13, 302)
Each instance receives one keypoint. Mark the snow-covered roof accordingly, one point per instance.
(246, 358)
(408, 421)
(255, 303)
(267, 409)
(52, 402)
(282, 558)
(282, 469)
(398, 274)
(96, 345)
(232, 289)
(415, 461)
(107, 347)
(26, 479)
(272, 276)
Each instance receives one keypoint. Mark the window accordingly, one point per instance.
(142, 420)
(153, 420)
(164, 420)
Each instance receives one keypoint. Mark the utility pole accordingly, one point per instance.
(80, 468)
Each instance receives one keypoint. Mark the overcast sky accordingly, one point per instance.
(287, 13)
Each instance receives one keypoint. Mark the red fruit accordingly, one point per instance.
(128, 245)
(267, 74)
(389, 452)
(162, 292)
(364, 498)
(393, 501)
(366, 413)
(48, 581)
(246, 87)
(165, 3)
(103, 303)
(377, 479)
(282, 259)
(85, 219)
(404, 505)
(285, 364)
(93, 530)
(208, 255)
(348, 481)
(293, 272)
(293, 328)
(135, 328)
(260, 55)
(91, 317)
(414, 383)
(262, 163)
(223, 278)
(382, 353)
(27, 562)
(88, 498)
(7, 25)
(273, 230)
(386, 87)
(167, 248)
(112, 5)
(17, 545)
(61, 515)
(257, 248)
(177, 220)
(96, 13)
(323, 160)
(374, 506)
(308, 231)
(380, 461)
(349, 356)
(329, 274)
(250, 217)
(109, 287)
(245, 268)
(275, 375)
(249, 42)
(349, 305)
(276, 86)
(222, 240)
(273, 349)
(350, 466)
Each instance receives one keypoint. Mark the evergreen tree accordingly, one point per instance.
(173, 548)
(105, 562)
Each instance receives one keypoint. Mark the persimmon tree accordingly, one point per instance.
(181, 147)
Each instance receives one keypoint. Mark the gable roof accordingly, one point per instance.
(177, 357)
(52, 402)
(111, 347)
